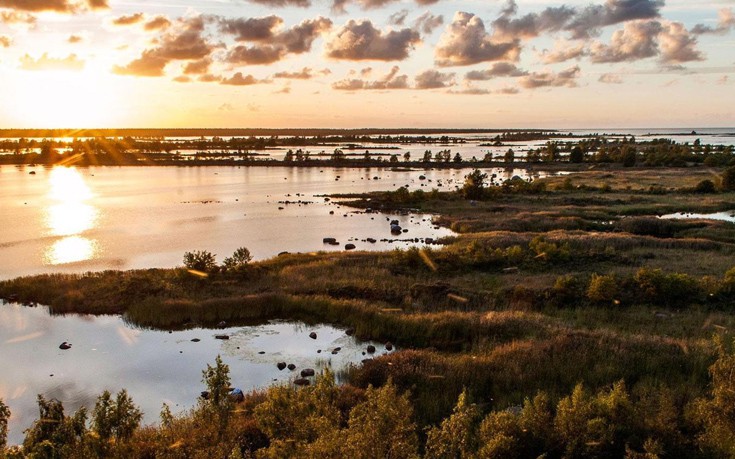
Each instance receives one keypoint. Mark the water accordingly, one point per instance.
(154, 366)
(66, 219)
(728, 216)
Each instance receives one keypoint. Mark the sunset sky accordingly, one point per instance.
(360, 63)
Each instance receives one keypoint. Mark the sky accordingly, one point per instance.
(367, 63)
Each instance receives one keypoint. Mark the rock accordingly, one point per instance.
(393, 222)
(395, 229)
(349, 246)
(331, 212)
(291, 366)
(329, 240)
(422, 177)
(195, 340)
(334, 243)
(302, 382)
(224, 337)
(337, 348)
(429, 240)
(64, 346)
(334, 352)
(307, 372)
(312, 335)
(388, 346)
(32, 173)
(350, 331)
(281, 365)
(371, 240)
(261, 352)
(371, 349)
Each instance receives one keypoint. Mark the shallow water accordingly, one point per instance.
(728, 216)
(154, 366)
(88, 219)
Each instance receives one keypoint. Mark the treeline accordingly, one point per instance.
(325, 420)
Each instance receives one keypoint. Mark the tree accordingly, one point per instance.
(407, 156)
(576, 155)
(427, 156)
(457, 158)
(115, 418)
(338, 155)
(197, 260)
(717, 413)
(393, 158)
(728, 179)
(238, 260)
(4, 417)
(54, 435)
(289, 156)
(510, 156)
(474, 184)
(457, 435)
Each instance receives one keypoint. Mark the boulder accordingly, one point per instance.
(350, 331)
(223, 337)
(371, 240)
(329, 240)
(195, 340)
(312, 335)
(307, 372)
(349, 246)
(302, 382)
(395, 229)
(371, 349)
(388, 346)
(291, 366)
(64, 346)
(281, 365)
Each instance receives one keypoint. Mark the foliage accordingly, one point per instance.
(728, 179)
(474, 185)
(200, 260)
(238, 260)
(456, 437)
(115, 418)
(55, 435)
(717, 413)
(4, 417)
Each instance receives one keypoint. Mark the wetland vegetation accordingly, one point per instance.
(566, 319)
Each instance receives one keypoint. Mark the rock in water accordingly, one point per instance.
(307, 372)
(370, 349)
(281, 365)
(312, 335)
(64, 346)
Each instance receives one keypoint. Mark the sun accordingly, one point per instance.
(64, 99)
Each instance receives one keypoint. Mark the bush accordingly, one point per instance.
(238, 260)
(705, 186)
(602, 289)
(728, 179)
(197, 260)
(474, 185)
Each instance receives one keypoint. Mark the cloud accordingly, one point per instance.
(303, 74)
(724, 24)
(128, 20)
(182, 79)
(58, 6)
(69, 63)
(226, 107)
(566, 78)
(392, 80)
(362, 41)
(610, 78)
(283, 90)
(432, 79)
(427, 22)
(531, 25)
(465, 42)
(74, 38)
(499, 69)
(398, 18)
(677, 45)
(470, 91)
(5, 41)
(159, 22)
(17, 17)
(640, 40)
(562, 52)
(199, 67)
(185, 42)
(239, 80)
(591, 19)
(637, 40)
(283, 3)
(209, 78)
(275, 45)
(509, 90)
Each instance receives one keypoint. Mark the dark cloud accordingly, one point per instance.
(5, 41)
(433, 79)
(182, 79)
(466, 42)
(251, 29)
(427, 22)
(128, 20)
(362, 41)
(398, 18)
(239, 80)
(392, 80)
(199, 67)
(508, 90)
(566, 78)
(637, 40)
(338, 6)
(159, 22)
(725, 23)
(303, 74)
(184, 42)
(98, 4)
(59, 6)
(470, 91)
(209, 78)
(45, 62)
(275, 46)
(74, 39)
(591, 19)
(499, 69)
(563, 52)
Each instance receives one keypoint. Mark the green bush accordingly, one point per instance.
(728, 179)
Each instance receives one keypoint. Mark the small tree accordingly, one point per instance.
(238, 260)
(457, 435)
(218, 403)
(576, 155)
(510, 156)
(200, 260)
(474, 184)
(115, 418)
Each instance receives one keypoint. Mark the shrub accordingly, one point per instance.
(238, 260)
(474, 184)
(655, 286)
(602, 289)
(4, 417)
(705, 186)
(200, 260)
(728, 179)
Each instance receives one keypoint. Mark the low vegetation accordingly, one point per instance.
(565, 319)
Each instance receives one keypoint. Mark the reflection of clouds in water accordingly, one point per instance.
(12, 393)
(28, 337)
(128, 335)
